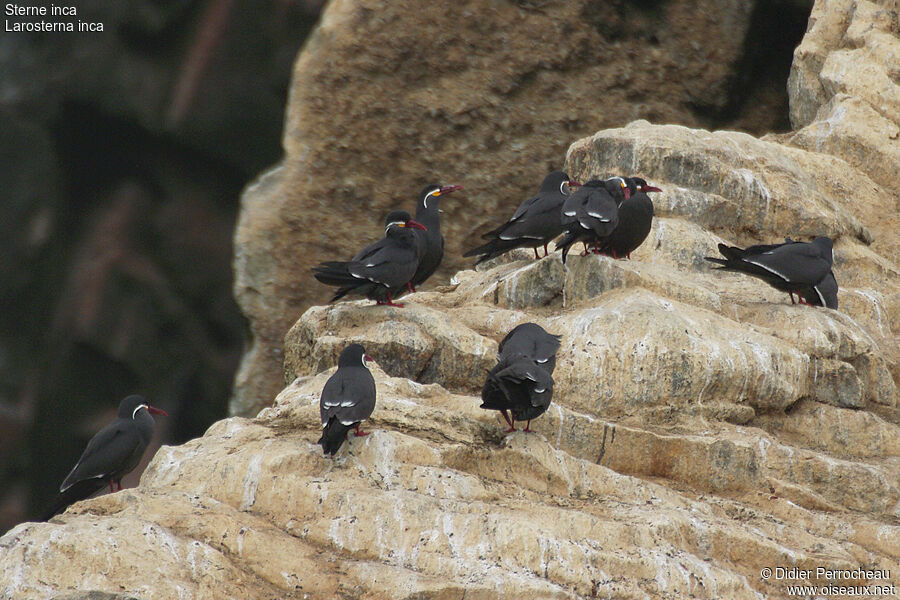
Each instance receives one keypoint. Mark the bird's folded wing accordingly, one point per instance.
(104, 454)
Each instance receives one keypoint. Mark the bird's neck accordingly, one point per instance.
(429, 217)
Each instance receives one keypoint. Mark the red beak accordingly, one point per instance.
(627, 193)
(650, 188)
(446, 189)
(572, 183)
(157, 411)
(367, 357)
(416, 224)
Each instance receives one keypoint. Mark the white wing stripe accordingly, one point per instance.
(769, 269)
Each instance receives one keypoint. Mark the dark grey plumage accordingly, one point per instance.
(536, 222)
(635, 220)
(347, 400)
(428, 213)
(533, 341)
(380, 269)
(521, 383)
(590, 214)
(801, 268)
(110, 455)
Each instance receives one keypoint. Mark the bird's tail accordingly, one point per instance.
(333, 435)
(77, 491)
(334, 273)
(565, 243)
(337, 274)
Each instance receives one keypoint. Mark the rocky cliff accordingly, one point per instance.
(388, 96)
(703, 429)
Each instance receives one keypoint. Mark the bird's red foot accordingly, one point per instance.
(359, 433)
(546, 251)
(111, 486)
(527, 427)
(511, 429)
(410, 287)
(536, 255)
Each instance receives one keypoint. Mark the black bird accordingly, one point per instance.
(536, 222)
(110, 455)
(635, 220)
(801, 268)
(533, 341)
(522, 381)
(590, 214)
(381, 268)
(348, 398)
(428, 213)
(519, 385)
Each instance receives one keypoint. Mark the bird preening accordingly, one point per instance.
(110, 455)
(802, 268)
(520, 386)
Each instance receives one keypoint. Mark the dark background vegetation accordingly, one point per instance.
(122, 158)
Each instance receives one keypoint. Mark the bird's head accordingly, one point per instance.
(641, 185)
(353, 356)
(558, 181)
(434, 191)
(131, 405)
(618, 188)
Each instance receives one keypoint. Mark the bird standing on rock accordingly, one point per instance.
(521, 382)
(802, 268)
(590, 214)
(428, 213)
(635, 220)
(347, 400)
(382, 268)
(536, 222)
(110, 455)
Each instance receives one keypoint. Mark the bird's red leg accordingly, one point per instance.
(615, 255)
(546, 251)
(792, 297)
(360, 433)
(536, 256)
(585, 253)
(596, 247)
(390, 302)
(527, 425)
(628, 255)
(119, 484)
(410, 287)
(111, 488)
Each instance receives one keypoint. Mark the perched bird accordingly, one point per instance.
(110, 455)
(522, 382)
(590, 214)
(428, 213)
(533, 341)
(518, 385)
(801, 268)
(536, 222)
(635, 219)
(348, 398)
(381, 268)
